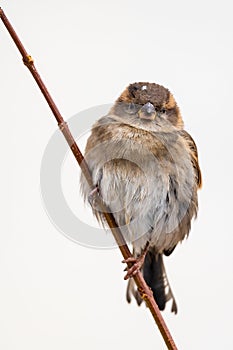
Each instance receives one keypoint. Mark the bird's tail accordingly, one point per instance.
(155, 276)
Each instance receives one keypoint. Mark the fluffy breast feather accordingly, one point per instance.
(147, 180)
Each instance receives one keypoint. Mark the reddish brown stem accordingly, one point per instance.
(145, 291)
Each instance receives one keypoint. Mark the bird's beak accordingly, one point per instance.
(147, 112)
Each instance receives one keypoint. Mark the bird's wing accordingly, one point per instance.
(194, 156)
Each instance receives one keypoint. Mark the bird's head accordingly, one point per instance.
(150, 103)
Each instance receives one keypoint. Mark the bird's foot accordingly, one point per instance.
(136, 265)
(92, 196)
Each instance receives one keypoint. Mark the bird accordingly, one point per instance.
(145, 168)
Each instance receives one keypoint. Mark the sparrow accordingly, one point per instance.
(145, 168)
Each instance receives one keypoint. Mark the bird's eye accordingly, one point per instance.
(132, 90)
(163, 110)
(131, 108)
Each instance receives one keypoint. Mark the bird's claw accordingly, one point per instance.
(92, 196)
(136, 266)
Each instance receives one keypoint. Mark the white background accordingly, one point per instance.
(55, 294)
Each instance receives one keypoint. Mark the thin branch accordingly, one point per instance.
(144, 290)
